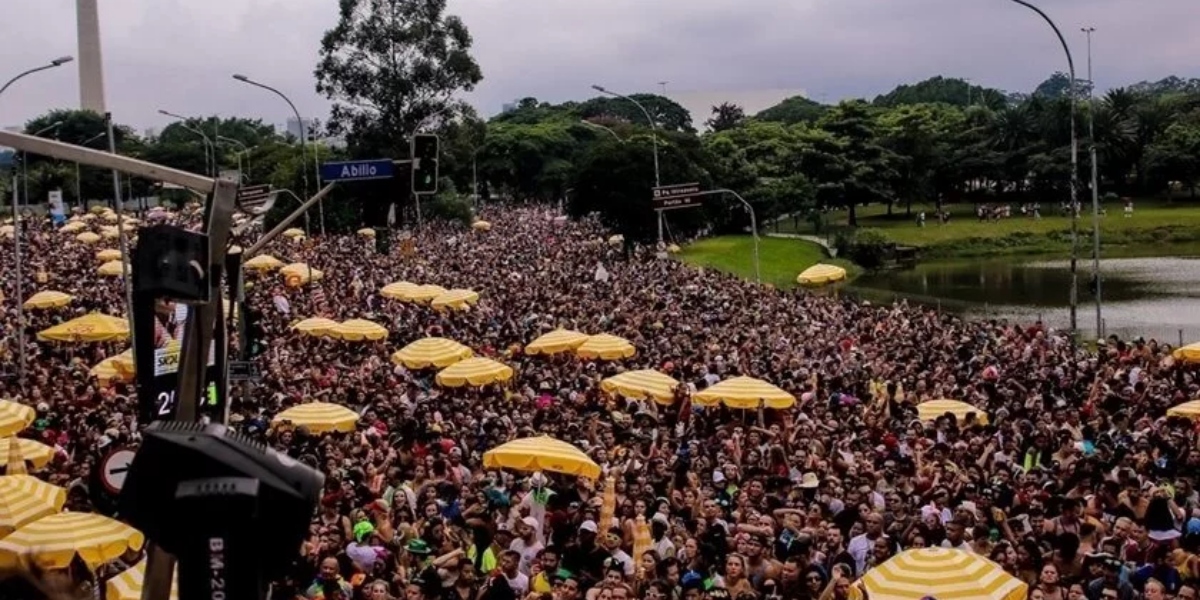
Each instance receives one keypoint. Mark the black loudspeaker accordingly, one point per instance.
(171, 262)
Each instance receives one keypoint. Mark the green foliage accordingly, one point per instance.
(943, 90)
(390, 64)
(796, 109)
(726, 116)
(666, 113)
(867, 248)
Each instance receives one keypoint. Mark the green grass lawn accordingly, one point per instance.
(781, 260)
(1153, 223)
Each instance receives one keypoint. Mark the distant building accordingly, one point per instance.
(293, 127)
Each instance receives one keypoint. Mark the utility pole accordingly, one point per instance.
(1095, 186)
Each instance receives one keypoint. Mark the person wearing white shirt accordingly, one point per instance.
(860, 546)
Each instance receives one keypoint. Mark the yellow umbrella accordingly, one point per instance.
(88, 237)
(108, 254)
(52, 542)
(541, 453)
(481, 226)
(302, 272)
(127, 585)
(109, 232)
(366, 232)
(431, 352)
(48, 299)
(401, 290)
(109, 216)
(616, 240)
(263, 262)
(73, 227)
(456, 299)
(36, 453)
(320, 417)
(113, 268)
(642, 384)
(606, 347)
(745, 393)
(107, 370)
(1189, 353)
(293, 233)
(674, 249)
(931, 410)
(93, 327)
(15, 417)
(315, 326)
(7, 231)
(357, 330)
(425, 293)
(474, 372)
(820, 274)
(559, 340)
(1189, 410)
(943, 573)
(124, 361)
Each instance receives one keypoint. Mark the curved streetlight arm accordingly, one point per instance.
(1061, 39)
(600, 127)
(58, 62)
(208, 144)
(653, 125)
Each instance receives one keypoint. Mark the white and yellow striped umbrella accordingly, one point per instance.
(52, 542)
(73, 227)
(606, 347)
(108, 254)
(942, 573)
(481, 226)
(110, 232)
(107, 371)
(29, 451)
(426, 293)
(88, 237)
(263, 262)
(359, 330)
(47, 299)
(639, 385)
(113, 268)
(746, 393)
(14, 418)
(476, 372)
(431, 352)
(1188, 410)
(821, 274)
(555, 342)
(541, 453)
(25, 499)
(400, 290)
(455, 299)
(366, 232)
(315, 326)
(127, 585)
(302, 272)
(319, 417)
(293, 233)
(932, 409)
(109, 216)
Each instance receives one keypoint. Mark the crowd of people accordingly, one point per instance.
(1068, 477)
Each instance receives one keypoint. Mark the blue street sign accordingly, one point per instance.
(357, 170)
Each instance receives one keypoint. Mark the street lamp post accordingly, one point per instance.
(58, 62)
(1095, 185)
(78, 174)
(303, 138)
(244, 150)
(210, 153)
(653, 139)
(1074, 172)
(600, 127)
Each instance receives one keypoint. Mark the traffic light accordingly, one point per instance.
(424, 163)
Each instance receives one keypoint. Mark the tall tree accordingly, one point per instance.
(796, 109)
(388, 65)
(726, 116)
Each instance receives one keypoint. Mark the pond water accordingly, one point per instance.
(1151, 297)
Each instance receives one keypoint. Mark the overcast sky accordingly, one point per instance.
(179, 54)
